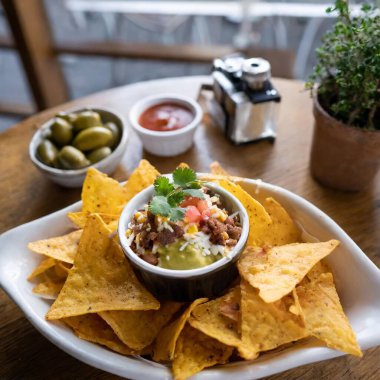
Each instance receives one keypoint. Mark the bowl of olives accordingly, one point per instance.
(68, 144)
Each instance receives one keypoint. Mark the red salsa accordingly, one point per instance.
(166, 117)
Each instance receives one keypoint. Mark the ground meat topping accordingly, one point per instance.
(233, 231)
(222, 233)
(149, 258)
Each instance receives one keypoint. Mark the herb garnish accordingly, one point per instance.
(169, 195)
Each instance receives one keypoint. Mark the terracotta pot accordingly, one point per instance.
(343, 157)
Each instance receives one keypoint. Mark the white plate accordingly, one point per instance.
(357, 280)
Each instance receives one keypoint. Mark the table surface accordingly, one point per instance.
(26, 195)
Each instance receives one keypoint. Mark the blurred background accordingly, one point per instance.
(55, 50)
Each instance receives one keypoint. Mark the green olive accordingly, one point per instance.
(115, 134)
(57, 163)
(87, 119)
(46, 133)
(61, 131)
(72, 158)
(69, 117)
(47, 152)
(92, 138)
(98, 154)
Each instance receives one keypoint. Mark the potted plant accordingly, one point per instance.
(346, 143)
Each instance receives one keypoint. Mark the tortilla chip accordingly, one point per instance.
(283, 229)
(196, 351)
(319, 268)
(277, 272)
(265, 326)
(62, 270)
(167, 338)
(259, 220)
(62, 248)
(80, 218)
(216, 168)
(142, 177)
(208, 319)
(48, 289)
(101, 278)
(230, 304)
(102, 194)
(324, 316)
(92, 328)
(43, 266)
(138, 329)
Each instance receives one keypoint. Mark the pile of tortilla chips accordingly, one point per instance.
(285, 292)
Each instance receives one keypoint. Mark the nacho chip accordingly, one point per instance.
(259, 220)
(216, 168)
(196, 351)
(62, 248)
(324, 316)
(230, 304)
(283, 229)
(48, 289)
(277, 272)
(92, 328)
(138, 329)
(265, 326)
(208, 319)
(167, 338)
(43, 266)
(101, 278)
(142, 177)
(319, 268)
(80, 218)
(62, 269)
(102, 194)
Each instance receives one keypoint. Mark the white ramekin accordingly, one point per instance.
(168, 143)
(185, 285)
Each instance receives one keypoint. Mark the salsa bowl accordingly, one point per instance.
(166, 143)
(186, 285)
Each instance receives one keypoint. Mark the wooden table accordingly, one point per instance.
(26, 195)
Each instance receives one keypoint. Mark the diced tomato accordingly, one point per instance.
(192, 214)
(202, 205)
(206, 214)
(190, 201)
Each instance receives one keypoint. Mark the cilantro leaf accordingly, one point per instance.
(176, 214)
(194, 193)
(162, 186)
(194, 185)
(160, 206)
(184, 176)
(175, 198)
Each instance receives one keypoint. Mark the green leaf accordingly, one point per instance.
(194, 185)
(194, 193)
(162, 186)
(184, 176)
(177, 214)
(175, 198)
(160, 206)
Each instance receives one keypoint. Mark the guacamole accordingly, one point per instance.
(190, 257)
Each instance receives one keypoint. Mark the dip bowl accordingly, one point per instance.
(166, 143)
(186, 285)
(75, 177)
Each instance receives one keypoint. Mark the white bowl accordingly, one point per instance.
(75, 178)
(357, 280)
(186, 285)
(166, 143)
